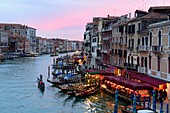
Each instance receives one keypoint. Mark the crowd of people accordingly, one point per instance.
(161, 95)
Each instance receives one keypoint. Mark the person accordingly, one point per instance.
(41, 77)
(160, 97)
(164, 94)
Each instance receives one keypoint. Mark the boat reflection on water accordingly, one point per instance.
(42, 90)
(101, 102)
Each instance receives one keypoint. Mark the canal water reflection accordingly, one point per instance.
(19, 92)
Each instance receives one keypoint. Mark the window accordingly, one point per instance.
(126, 40)
(132, 43)
(150, 39)
(146, 40)
(169, 39)
(158, 63)
(92, 49)
(133, 28)
(142, 62)
(125, 53)
(113, 40)
(129, 43)
(138, 41)
(121, 40)
(120, 61)
(146, 62)
(143, 40)
(138, 27)
(84, 36)
(132, 60)
(116, 40)
(149, 62)
(159, 38)
(128, 59)
(138, 60)
(168, 64)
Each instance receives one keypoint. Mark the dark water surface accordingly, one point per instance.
(19, 92)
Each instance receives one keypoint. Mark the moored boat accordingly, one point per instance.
(88, 91)
(31, 54)
(55, 83)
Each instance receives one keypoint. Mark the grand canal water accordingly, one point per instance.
(19, 92)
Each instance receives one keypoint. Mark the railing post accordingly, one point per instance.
(161, 110)
(134, 104)
(167, 108)
(144, 102)
(154, 100)
(116, 102)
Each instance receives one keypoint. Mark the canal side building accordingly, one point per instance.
(140, 43)
(159, 54)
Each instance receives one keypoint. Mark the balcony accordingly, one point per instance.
(157, 48)
(130, 66)
(33, 43)
(104, 51)
(144, 48)
(109, 28)
(130, 48)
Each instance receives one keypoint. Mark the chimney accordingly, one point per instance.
(129, 15)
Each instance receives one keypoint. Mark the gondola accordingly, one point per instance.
(55, 83)
(89, 91)
(56, 74)
(85, 91)
(41, 84)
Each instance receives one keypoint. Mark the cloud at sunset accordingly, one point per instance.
(67, 18)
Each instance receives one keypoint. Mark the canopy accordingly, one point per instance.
(69, 76)
(111, 69)
(94, 71)
(128, 83)
(145, 78)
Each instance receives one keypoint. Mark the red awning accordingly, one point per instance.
(111, 69)
(146, 79)
(128, 83)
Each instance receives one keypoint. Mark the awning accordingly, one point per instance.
(128, 83)
(111, 69)
(146, 79)
(103, 72)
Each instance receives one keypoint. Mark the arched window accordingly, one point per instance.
(146, 62)
(149, 61)
(159, 38)
(150, 39)
(132, 60)
(138, 60)
(142, 62)
(128, 59)
(146, 40)
(143, 41)
(158, 63)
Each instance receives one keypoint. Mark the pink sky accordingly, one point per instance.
(67, 18)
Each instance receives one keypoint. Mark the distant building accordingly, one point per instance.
(4, 42)
(18, 34)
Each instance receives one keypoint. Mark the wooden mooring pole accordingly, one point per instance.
(48, 71)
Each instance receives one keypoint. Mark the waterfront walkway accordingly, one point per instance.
(165, 102)
(158, 106)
